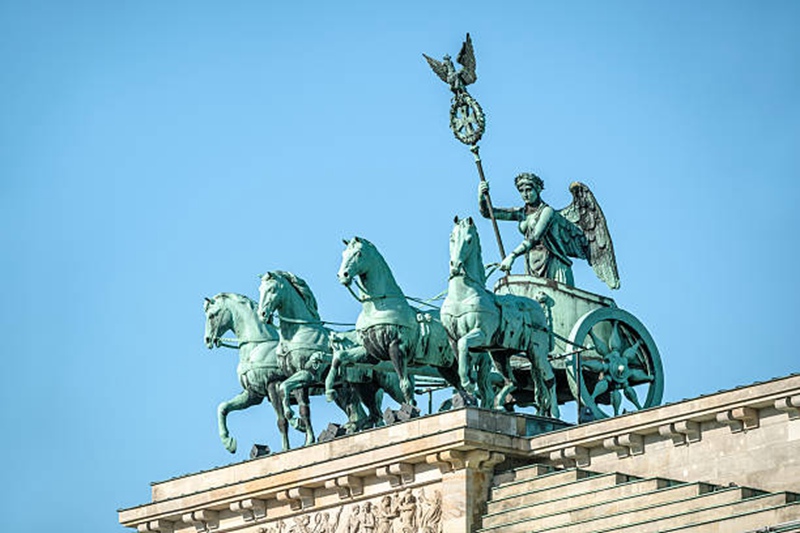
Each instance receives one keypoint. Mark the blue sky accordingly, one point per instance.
(154, 153)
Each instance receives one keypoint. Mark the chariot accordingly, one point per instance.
(598, 351)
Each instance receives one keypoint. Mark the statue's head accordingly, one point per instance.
(529, 186)
(530, 179)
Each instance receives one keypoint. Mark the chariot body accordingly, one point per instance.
(599, 352)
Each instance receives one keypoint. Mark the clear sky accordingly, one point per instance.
(153, 153)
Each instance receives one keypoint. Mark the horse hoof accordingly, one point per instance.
(330, 396)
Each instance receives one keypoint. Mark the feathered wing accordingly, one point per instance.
(585, 212)
(466, 58)
(438, 67)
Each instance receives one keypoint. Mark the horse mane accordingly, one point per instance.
(241, 298)
(480, 270)
(374, 250)
(303, 289)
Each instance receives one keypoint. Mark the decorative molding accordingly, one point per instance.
(397, 473)
(739, 419)
(447, 461)
(682, 433)
(298, 498)
(161, 526)
(452, 460)
(203, 520)
(789, 405)
(346, 486)
(482, 459)
(625, 445)
(251, 509)
(572, 456)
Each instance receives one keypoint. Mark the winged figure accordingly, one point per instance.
(551, 237)
(585, 212)
(456, 79)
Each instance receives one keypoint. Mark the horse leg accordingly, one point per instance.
(305, 415)
(484, 379)
(277, 405)
(545, 380)
(289, 385)
(503, 364)
(474, 338)
(401, 367)
(341, 358)
(243, 400)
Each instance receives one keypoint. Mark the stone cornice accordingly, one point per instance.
(737, 408)
(291, 476)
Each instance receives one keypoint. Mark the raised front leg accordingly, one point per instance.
(243, 400)
(341, 358)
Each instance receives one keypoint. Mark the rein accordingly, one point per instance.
(309, 322)
(368, 298)
(228, 343)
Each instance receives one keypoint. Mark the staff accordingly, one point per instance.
(467, 120)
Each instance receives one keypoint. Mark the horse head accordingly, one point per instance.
(219, 320)
(353, 264)
(268, 295)
(465, 249)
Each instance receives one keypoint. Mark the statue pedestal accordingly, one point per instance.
(428, 474)
(432, 474)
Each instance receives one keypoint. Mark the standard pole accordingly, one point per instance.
(475, 151)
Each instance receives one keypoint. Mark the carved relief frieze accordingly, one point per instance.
(403, 511)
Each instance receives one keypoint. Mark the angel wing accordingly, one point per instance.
(585, 212)
(466, 58)
(438, 67)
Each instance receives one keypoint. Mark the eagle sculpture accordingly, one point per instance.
(456, 79)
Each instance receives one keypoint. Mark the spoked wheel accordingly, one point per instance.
(620, 365)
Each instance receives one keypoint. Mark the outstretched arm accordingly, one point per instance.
(500, 213)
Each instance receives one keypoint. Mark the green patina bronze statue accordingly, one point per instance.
(391, 330)
(467, 120)
(478, 320)
(551, 237)
(305, 352)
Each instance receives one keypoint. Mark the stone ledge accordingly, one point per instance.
(681, 417)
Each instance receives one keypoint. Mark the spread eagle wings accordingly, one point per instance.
(466, 58)
(585, 212)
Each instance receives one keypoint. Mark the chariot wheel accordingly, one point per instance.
(467, 119)
(620, 364)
